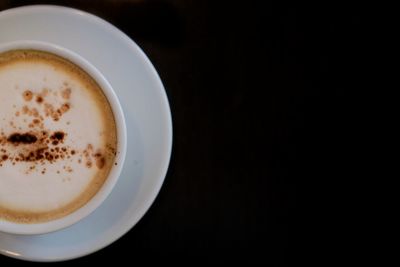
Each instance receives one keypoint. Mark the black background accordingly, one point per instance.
(259, 99)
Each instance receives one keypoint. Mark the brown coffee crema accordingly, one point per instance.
(38, 139)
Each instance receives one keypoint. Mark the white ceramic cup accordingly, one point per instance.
(102, 194)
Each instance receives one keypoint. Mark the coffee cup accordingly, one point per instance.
(62, 138)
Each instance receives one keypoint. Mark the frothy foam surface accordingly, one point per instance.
(57, 137)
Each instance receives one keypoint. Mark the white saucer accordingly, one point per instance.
(148, 119)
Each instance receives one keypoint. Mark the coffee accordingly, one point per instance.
(58, 137)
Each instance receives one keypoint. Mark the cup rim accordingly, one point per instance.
(110, 182)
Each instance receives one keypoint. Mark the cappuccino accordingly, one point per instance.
(58, 137)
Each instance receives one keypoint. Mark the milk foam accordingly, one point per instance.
(40, 186)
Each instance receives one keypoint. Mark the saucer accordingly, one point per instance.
(148, 120)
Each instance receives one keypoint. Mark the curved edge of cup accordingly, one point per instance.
(106, 189)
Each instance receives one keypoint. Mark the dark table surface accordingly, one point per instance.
(256, 92)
